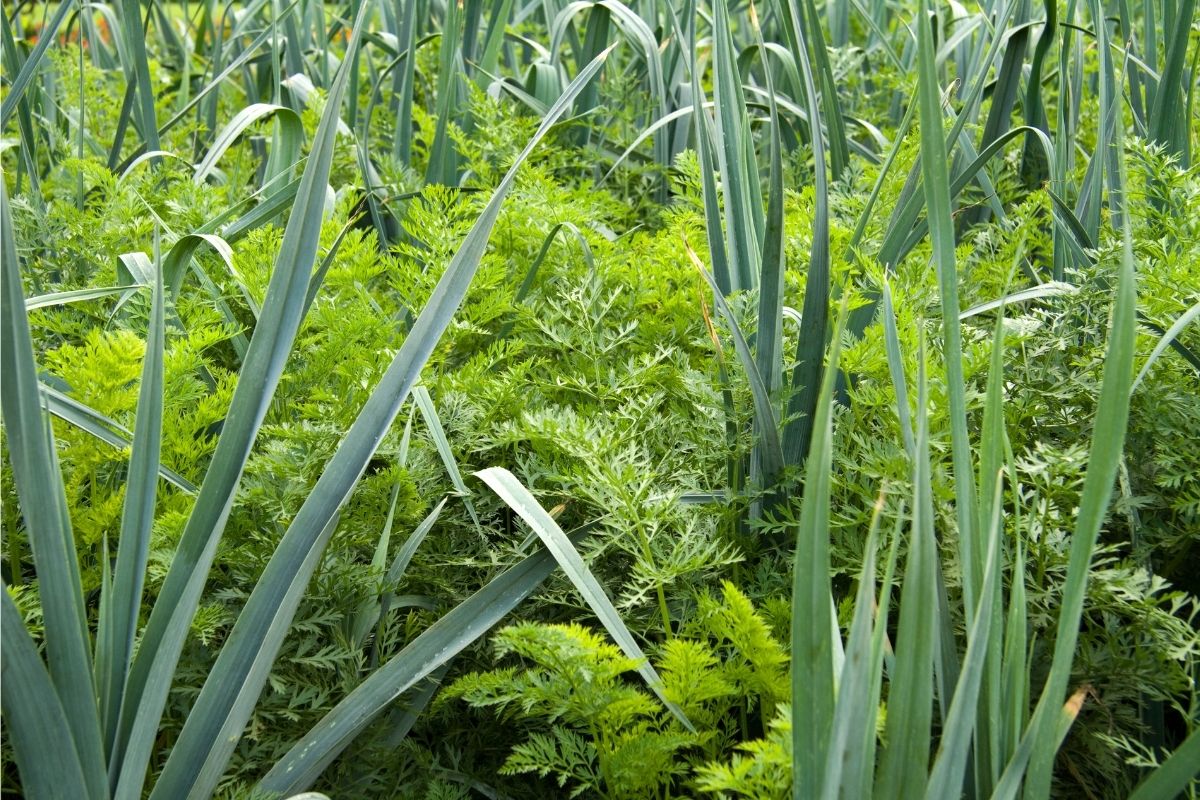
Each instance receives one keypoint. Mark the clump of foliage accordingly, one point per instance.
(597, 734)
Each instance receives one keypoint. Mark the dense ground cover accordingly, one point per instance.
(421, 399)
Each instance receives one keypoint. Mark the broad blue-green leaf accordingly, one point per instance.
(1108, 438)
(37, 725)
(170, 620)
(936, 180)
(103, 428)
(466, 623)
(43, 503)
(812, 645)
(118, 623)
(16, 90)
(75, 296)
(910, 698)
(767, 425)
(442, 445)
(1165, 341)
(290, 139)
(1173, 776)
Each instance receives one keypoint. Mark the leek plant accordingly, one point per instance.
(987, 747)
(987, 744)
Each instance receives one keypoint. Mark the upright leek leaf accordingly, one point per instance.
(117, 629)
(1108, 439)
(950, 765)
(37, 725)
(812, 602)
(742, 195)
(1169, 120)
(910, 705)
(806, 376)
(769, 350)
(854, 712)
(425, 655)
(136, 62)
(43, 502)
(518, 498)
(936, 180)
(1173, 775)
(766, 424)
(718, 256)
(170, 620)
(28, 68)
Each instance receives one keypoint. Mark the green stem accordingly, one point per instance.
(658, 587)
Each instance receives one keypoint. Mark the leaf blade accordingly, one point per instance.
(43, 503)
(518, 498)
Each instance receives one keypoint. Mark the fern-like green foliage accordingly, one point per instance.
(610, 737)
(597, 733)
(753, 659)
(762, 770)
